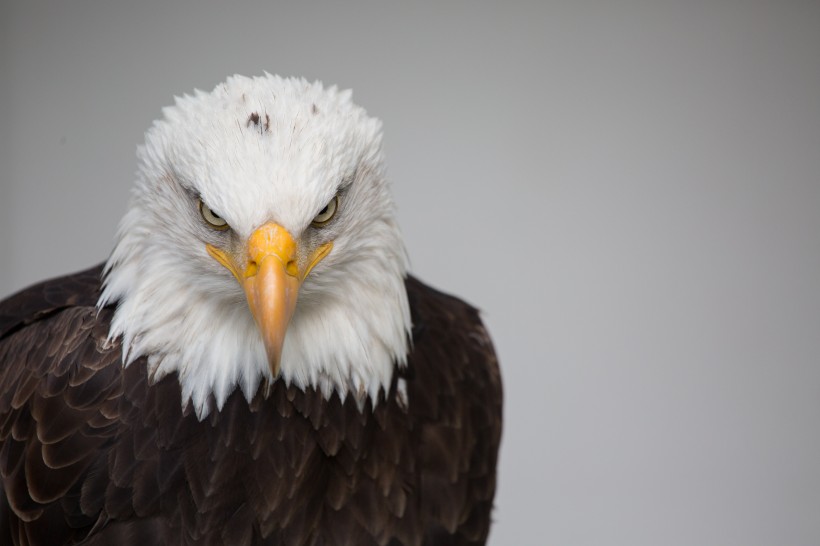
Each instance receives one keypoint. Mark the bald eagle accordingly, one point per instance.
(253, 364)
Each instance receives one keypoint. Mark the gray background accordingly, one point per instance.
(630, 191)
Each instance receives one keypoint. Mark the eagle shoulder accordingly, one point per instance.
(41, 300)
(60, 381)
(455, 393)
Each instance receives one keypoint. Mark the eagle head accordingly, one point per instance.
(261, 242)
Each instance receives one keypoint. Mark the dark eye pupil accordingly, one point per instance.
(323, 211)
(215, 215)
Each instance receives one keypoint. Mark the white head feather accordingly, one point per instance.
(258, 150)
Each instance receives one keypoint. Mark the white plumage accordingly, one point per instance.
(259, 150)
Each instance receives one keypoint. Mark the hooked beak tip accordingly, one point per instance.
(273, 362)
(272, 295)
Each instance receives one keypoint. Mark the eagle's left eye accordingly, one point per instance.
(326, 214)
(213, 220)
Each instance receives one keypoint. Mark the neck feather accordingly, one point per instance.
(349, 332)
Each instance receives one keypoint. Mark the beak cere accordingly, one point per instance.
(271, 282)
(271, 279)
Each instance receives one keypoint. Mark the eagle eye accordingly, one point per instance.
(213, 220)
(326, 214)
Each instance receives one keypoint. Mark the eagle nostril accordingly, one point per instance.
(252, 269)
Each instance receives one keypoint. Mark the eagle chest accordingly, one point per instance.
(289, 464)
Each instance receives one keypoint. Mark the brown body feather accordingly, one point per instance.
(92, 453)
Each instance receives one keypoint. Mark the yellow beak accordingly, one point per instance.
(271, 279)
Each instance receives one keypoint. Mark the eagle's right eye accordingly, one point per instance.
(213, 220)
(326, 214)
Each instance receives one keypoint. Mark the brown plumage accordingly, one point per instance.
(92, 453)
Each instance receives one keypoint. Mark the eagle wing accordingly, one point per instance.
(455, 398)
(59, 390)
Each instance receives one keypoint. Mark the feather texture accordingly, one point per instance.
(261, 150)
(93, 452)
